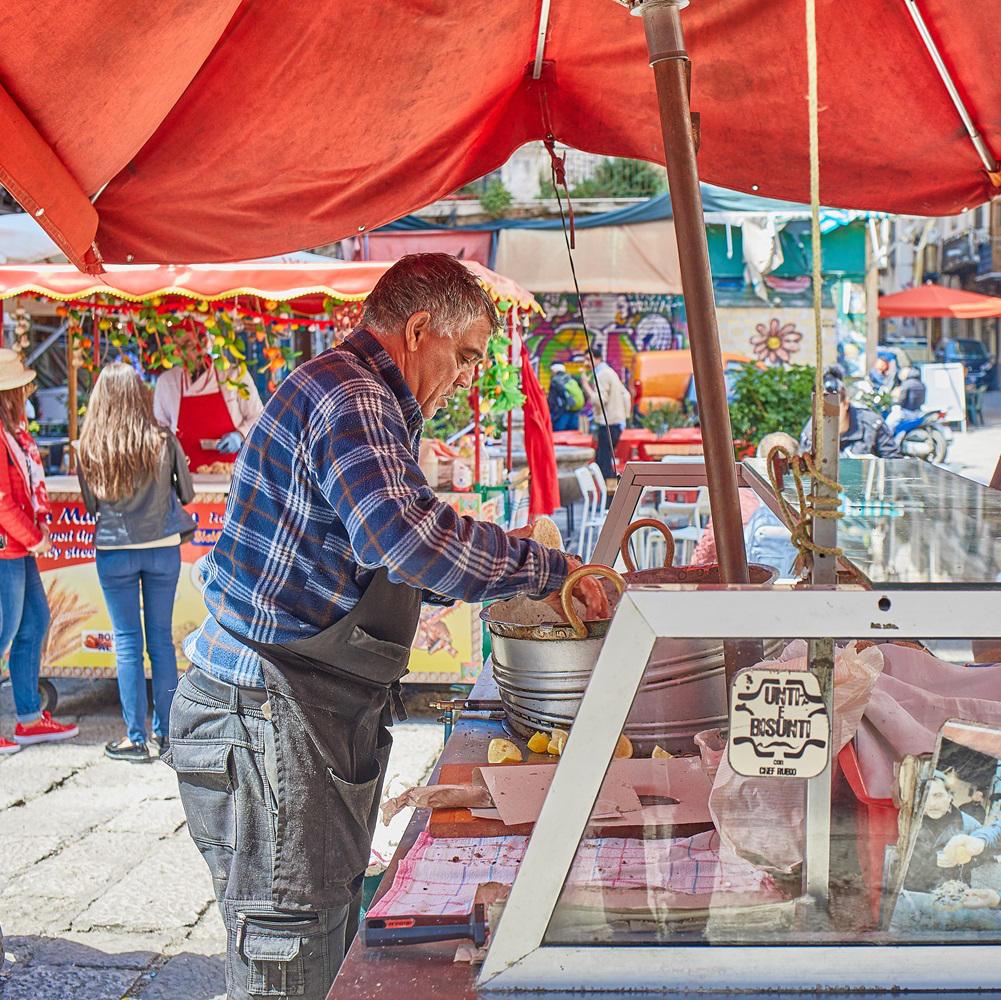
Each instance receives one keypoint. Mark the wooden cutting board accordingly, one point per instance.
(462, 823)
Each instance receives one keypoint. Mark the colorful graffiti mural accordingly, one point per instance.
(776, 333)
(621, 324)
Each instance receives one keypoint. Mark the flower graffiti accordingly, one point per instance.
(776, 343)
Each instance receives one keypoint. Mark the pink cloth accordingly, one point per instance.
(441, 876)
(915, 694)
(705, 549)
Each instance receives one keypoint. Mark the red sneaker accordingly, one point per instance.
(9, 746)
(44, 730)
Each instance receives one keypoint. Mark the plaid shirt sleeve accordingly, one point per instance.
(360, 454)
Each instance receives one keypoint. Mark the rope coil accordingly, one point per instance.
(811, 507)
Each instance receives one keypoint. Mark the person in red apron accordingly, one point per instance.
(280, 730)
(211, 420)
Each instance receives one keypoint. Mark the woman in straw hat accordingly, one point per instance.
(134, 478)
(24, 509)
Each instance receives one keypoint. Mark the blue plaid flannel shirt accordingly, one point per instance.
(326, 490)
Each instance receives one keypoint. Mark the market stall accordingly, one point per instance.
(728, 859)
(262, 317)
(757, 134)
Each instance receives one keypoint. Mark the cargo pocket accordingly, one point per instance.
(205, 782)
(282, 955)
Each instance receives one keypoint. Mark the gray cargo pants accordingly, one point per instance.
(222, 748)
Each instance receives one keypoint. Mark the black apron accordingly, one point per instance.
(330, 698)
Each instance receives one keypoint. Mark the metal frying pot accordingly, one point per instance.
(542, 670)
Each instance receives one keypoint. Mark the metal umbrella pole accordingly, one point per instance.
(672, 72)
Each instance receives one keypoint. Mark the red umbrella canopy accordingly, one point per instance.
(220, 130)
(937, 300)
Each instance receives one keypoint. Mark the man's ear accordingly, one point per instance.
(417, 327)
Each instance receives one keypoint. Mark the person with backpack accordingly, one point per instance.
(566, 399)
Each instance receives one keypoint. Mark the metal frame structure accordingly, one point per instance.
(518, 958)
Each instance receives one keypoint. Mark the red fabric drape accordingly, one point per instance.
(543, 487)
(226, 130)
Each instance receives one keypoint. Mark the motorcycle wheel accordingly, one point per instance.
(941, 443)
(919, 443)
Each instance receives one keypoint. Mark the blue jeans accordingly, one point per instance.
(122, 573)
(566, 422)
(24, 620)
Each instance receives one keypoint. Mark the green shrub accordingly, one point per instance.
(766, 400)
(496, 199)
(661, 419)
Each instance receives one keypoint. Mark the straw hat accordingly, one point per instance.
(13, 374)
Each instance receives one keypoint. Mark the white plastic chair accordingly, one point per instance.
(589, 492)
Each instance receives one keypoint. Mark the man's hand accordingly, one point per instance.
(230, 444)
(982, 899)
(960, 850)
(44, 545)
(589, 590)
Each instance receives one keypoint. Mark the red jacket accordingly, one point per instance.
(19, 529)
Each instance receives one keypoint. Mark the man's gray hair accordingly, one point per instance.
(436, 283)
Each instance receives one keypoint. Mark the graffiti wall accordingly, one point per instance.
(774, 334)
(621, 324)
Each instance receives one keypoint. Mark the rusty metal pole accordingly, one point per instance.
(672, 72)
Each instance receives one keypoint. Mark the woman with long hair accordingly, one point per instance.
(134, 478)
(24, 511)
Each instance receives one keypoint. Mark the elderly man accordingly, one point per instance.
(279, 732)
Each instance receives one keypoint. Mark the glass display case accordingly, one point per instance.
(756, 835)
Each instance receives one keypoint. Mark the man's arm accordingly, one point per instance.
(363, 465)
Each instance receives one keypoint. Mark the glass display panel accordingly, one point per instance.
(682, 848)
(907, 522)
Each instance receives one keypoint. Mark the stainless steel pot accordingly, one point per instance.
(542, 670)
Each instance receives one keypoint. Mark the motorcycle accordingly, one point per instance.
(924, 436)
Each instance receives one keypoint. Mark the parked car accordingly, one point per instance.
(972, 354)
(662, 378)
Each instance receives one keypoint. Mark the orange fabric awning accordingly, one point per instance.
(350, 281)
(937, 300)
(219, 130)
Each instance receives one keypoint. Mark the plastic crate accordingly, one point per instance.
(875, 826)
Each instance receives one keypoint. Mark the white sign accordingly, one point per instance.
(945, 389)
(779, 726)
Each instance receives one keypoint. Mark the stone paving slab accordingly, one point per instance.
(95, 950)
(19, 853)
(22, 781)
(59, 982)
(191, 977)
(207, 937)
(171, 889)
(67, 812)
(81, 870)
(157, 816)
(417, 745)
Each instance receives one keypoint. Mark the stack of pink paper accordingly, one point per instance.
(440, 876)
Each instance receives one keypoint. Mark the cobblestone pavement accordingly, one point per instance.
(102, 893)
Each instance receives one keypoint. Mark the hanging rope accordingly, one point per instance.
(558, 165)
(800, 522)
(811, 507)
(818, 274)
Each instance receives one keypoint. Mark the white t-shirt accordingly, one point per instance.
(172, 384)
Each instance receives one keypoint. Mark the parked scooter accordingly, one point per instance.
(924, 435)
